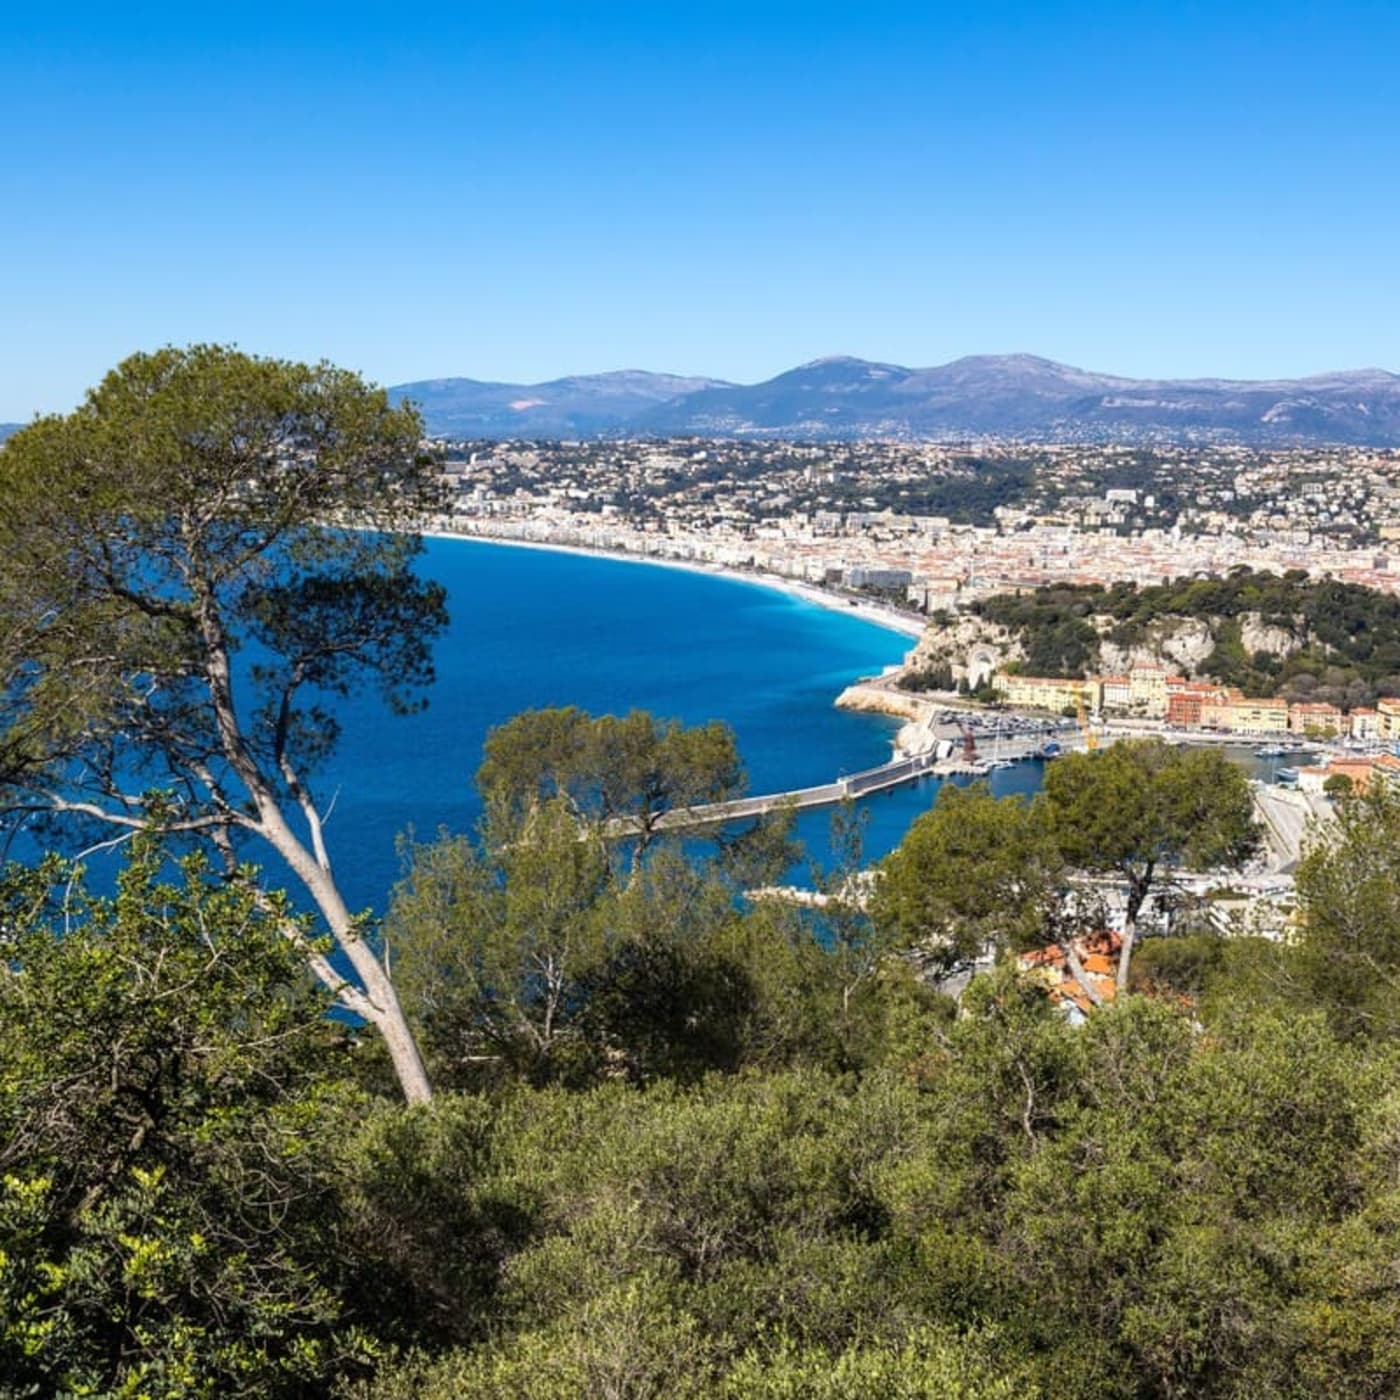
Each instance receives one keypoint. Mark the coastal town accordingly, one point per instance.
(927, 530)
(934, 526)
(1366, 738)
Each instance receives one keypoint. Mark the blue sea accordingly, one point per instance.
(533, 628)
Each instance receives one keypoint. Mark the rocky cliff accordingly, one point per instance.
(973, 649)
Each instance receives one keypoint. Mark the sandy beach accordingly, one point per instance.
(889, 618)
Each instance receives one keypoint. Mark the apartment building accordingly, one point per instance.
(1388, 718)
(1248, 715)
(1317, 720)
(1048, 692)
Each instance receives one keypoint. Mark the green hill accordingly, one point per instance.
(1330, 641)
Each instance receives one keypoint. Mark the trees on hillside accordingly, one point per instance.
(1140, 808)
(973, 870)
(534, 951)
(178, 610)
(976, 870)
(626, 769)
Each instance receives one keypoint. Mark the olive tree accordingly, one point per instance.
(193, 565)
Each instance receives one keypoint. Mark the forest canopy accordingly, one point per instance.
(758, 1156)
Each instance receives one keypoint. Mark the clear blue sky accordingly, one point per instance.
(521, 191)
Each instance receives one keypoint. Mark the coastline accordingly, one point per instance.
(889, 619)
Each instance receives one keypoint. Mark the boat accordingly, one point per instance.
(1275, 751)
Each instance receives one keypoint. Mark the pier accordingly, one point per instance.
(1283, 816)
(866, 783)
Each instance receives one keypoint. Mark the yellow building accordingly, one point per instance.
(1388, 717)
(1316, 719)
(1252, 716)
(1047, 692)
(1147, 689)
(1218, 704)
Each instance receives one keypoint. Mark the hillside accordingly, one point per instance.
(979, 395)
(1291, 636)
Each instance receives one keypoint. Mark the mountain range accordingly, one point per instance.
(977, 396)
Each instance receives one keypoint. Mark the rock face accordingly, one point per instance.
(877, 700)
(973, 648)
(1257, 635)
(1183, 643)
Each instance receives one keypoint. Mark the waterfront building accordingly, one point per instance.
(1316, 720)
(1048, 692)
(1217, 705)
(1117, 692)
(1362, 724)
(1248, 715)
(1388, 718)
(1147, 689)
(1186, 700)
(1362, 772)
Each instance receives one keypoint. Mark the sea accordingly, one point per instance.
(533, 628)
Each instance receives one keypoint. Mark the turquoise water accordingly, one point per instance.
(533, 628)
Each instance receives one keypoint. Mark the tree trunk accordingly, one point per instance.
(389, 1020)
(385, 1010)
(1076, 969)
(1138, 886)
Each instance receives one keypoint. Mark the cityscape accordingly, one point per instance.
(1015, 516)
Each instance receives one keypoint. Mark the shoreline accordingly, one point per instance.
(890, 619)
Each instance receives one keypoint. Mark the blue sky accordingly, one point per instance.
(522, 191)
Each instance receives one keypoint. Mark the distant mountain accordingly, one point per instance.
(8, 429)
(980, 395)
(583, 405)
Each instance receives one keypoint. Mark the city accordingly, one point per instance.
(859, 515)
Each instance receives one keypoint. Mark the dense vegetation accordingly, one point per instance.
(968, 493)
(685, 1142)
(685, 1145)
(1344, 639)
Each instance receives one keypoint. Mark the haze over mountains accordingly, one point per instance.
(980, 395)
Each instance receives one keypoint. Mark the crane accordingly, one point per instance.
(1091, 735)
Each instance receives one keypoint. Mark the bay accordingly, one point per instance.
(533, 628)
